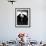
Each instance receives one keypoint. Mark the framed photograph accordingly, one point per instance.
(22, 17)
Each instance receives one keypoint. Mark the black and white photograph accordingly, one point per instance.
(22, 17)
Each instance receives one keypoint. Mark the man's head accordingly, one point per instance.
(21, 14)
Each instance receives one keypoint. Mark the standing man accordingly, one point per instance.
(22, 19)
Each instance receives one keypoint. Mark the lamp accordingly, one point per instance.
(12, 1)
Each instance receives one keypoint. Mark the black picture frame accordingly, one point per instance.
(27, 12)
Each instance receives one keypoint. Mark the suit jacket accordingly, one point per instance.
(22, 21)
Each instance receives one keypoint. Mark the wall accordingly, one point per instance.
(8, 31)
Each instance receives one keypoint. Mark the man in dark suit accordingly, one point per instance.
(22, 19)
